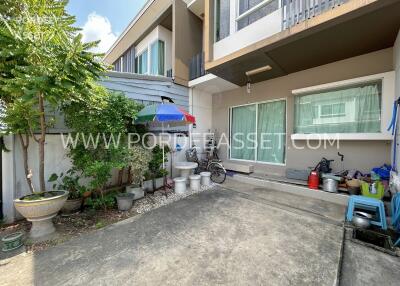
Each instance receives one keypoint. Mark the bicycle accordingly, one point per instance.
(212, 164)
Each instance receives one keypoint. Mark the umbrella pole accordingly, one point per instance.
(163, 157)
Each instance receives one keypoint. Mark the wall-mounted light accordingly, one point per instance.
(254, 72)
(259, 70)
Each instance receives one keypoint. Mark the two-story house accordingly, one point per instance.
(273, 77)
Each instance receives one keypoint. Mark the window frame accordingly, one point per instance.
(229, 153)
(387, 98)
(165, 56)
(139, 63)
(259, 6)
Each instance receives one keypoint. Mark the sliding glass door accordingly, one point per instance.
(271, 132)
(243, 132)
(258, 132)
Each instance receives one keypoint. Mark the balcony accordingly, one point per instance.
(296, 11)
(311, 33)
(262, 20)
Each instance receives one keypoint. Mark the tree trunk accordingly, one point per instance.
(120, 177)
(129, 181)
(41, 142)
(28, 173)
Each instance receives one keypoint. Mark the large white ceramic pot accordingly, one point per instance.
(41, 211)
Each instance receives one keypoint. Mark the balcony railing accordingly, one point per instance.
(296, 11)
(196, 68)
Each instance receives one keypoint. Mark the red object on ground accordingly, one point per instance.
(313, 180)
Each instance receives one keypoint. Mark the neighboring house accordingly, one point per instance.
(161, 40)
(296, 70)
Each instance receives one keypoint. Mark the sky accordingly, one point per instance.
(103, 20)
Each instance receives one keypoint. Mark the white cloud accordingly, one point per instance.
(97, 28)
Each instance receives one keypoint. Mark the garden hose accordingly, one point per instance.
(396, 214)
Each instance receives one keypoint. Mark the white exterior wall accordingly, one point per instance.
(159, 33)
(200, 104)
(261, 29)
(14, 182)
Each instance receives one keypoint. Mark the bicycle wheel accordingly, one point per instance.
(218, 173)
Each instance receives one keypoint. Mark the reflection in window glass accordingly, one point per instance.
(352, 109)
(222, 19)
(264, 10)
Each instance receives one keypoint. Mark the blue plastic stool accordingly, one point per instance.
(370, 204)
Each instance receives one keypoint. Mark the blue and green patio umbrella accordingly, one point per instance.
(164, 114)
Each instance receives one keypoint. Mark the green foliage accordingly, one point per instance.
(43, 64)
(155, 165)
(139, 159)
(68, 182)
(108, 116)
(42, 54)
(107, 201)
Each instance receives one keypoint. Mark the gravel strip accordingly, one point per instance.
(157, 200)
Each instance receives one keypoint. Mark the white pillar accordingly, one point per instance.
(8, 167)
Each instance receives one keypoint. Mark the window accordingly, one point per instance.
(157, 61)
(141, 63)
(222, 19)
(349, 109)
(258, 132)
(252, 10)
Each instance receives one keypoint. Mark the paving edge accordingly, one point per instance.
(293, 189)
(341, 258)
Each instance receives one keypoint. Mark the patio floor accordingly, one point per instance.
(236, 235)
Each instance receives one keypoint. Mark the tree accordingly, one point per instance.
(43, 64)
(106, 119)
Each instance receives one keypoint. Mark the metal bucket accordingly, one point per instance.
(330, 185)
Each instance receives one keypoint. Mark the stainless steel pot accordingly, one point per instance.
(361, 219)
(330, 185)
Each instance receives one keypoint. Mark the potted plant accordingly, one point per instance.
(37, 77)
(148, 182)
(138, 165)
(69, 182)
(157, 173)
(125, 201)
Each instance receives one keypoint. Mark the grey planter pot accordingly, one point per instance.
(148, 186)
(159, 182)
(125, 201)
(137, 191)
(40, 213)
(71, 206)
(12, 241)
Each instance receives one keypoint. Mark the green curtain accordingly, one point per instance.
(243, 132)
(157, 58)
(271, 132)
(143, 59)
(154, 58)
(355, 109)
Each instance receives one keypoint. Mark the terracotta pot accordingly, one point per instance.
(87, 194)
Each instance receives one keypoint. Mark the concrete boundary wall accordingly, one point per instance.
(56, 161)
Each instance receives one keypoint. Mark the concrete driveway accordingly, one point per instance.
(218, 237)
